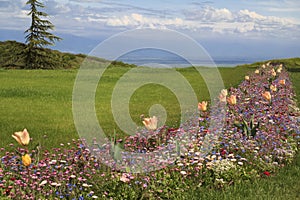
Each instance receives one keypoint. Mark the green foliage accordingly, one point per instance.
(12, 54)
(249, 129)
(37, 37)
(13, 57)
(37, 33)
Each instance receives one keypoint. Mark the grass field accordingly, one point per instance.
(41, 101)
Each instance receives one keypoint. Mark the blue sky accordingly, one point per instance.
(226, 28)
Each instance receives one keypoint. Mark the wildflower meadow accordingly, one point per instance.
(252, 133)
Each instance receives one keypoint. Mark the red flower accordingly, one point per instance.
(223, 152)
(267, 173)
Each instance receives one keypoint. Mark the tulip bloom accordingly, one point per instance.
(267, 95)
(273, 72)
(282, 82)
(273, 88)
(26, 160)
(247, 78)
(150, 123)
(202, 106)
(232, 100)
(263, 66)
(223, 94)
(22, 137)
(256, 71)
(124, 178)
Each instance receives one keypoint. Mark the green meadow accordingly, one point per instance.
(41, 101)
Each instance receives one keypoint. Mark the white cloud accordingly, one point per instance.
(209, 14)
(138, 20)
(222, 21)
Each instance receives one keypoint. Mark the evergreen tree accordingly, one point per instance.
(38, 37)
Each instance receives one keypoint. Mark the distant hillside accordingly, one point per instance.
(291, 64)
(12, 57)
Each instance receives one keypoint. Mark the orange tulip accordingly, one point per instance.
(232, 100)
(202, 106)
(26, 160)
(150, 123)
(267, 95)
(22, 137)
(282, 82)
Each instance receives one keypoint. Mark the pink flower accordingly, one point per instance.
(22, 137)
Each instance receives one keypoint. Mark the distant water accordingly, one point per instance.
(161, 58)
(180, 63)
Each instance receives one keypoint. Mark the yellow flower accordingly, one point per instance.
(256, 71)
(263, 66)
(22, 137)
(232, 100)
(273, 88)
(26, 160)
(282, 82)
(267, 95)
(150, 123)
(273, 72)
(202, 106)
(247, 78)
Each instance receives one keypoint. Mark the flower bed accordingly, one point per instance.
(258, 134)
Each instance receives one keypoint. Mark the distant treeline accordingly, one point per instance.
(12, 56)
